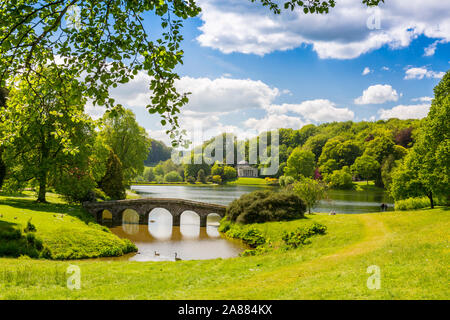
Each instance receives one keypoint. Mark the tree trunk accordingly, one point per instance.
(2, 168)
(42, 187)
(430, 195)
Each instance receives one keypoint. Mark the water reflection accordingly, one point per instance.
(159, 241)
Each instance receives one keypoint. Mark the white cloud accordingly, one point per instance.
(422, 72)
(431, 49)
(377, 94)
(366, 71)
(422, 99)
(417, 111)
(274, 121)
(241, 26)
(319, 110)
(384, 68)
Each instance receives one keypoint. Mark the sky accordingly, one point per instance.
(249, 70)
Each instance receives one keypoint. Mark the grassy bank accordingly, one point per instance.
(411, 248)
(249, 182)
(66, 231)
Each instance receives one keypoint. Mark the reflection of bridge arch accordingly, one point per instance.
(130, 221)
(159, 223)
(190, 224)
(143, 208)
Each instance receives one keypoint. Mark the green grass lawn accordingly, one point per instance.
(411, 248)
(248, 181)
(67, 231)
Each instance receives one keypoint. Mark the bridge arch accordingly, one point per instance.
(106, 216)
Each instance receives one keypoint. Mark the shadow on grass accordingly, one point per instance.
(57, 208)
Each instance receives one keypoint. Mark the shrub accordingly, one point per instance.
(30, 227)
(340, 179)
(301, 236)
(190, 179)
(250, 235)
(13, 243)
(149, 174)
(286, 180)
(75, 185)
(417, 203)
(201, 176)
(229, 173)
(262, 206)
(217, 179)
(172, 176)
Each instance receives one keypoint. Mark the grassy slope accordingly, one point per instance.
(411, 248)
(248, 181)
(65, 229)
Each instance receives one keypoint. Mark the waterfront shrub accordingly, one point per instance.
(263, 206)
(301, 236)
(172, 176)
(250, 235)
(417, 203)
(190, 179)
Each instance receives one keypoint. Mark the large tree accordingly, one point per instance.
(45, 131)
(300, 164)
(129, 141)
(425, 170)
(108, 42)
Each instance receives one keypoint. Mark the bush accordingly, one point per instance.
(190, 179)
(284, 181)
(13, 243)
(262, 206)
(149, 174)
(301, 236)
(172, 176)
(340, 179)
(75, 185)
(30, 227)
(417, 203)
(250, 235)
(217, 179)
(229, 173)
(201, 177)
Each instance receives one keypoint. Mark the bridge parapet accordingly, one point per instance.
(145, 205)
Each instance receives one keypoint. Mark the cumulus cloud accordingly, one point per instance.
(274, 121)
(344, 33)
(366, 71)
(422, 99)
(422, 72)
(377, 94)
(319, 110)
(431, 49)
(403, 112)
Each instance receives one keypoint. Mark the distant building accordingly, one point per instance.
(245, 170)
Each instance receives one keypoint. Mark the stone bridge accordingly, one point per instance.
(144, 206)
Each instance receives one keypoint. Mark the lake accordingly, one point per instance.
(341, 201)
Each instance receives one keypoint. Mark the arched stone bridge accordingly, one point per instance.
(144, 206)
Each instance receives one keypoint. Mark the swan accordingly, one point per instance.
(176, 258)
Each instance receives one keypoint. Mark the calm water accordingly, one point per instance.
(159, 241)
(341, 201)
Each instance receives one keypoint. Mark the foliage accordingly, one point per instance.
(112, 182)
(340, 179)
(425, 170)
(310, 191)
(418, 203)
(149, 174)
(343, 153)
(13, 243)
(229, 173)
(158, 152)
(284, 181)
(201, 176)
(172, 176)
(190, 179)
(263, 206)
(250, 235)
(301, 236)
(129, 141)
(45, 135)
(300, 164)
(217, 179)
(75, 185)
(366, 166)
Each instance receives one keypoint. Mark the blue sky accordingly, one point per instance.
(251, 71)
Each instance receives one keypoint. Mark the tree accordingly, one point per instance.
(300, 164)
(315, 144)
(158, 152)
(366, 166)
(45, 132)
(217, 169)
(149, 174)
(310, 191)
(340, 179)
(101, 35)
(112, 182)
(172, 176)
(127, 139)
(201, 176)
(229, 173)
